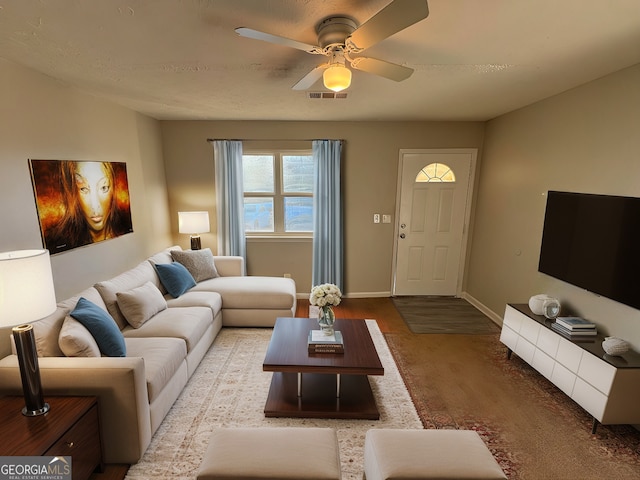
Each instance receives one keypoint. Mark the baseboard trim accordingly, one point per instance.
(495, 318)
(352, 295)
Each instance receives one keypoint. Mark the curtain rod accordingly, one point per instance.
(273, 139)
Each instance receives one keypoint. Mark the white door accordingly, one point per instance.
(434, 191)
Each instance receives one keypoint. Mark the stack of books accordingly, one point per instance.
(574, 326)
(321, 343)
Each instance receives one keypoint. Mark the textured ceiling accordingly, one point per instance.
(172, 59)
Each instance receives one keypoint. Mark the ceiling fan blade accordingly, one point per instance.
(310, 78)
(392, 71)
(396, 16)
(287, 42)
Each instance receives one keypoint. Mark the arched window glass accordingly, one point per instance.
(436, 172)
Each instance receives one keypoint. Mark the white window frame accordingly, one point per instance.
(278, 195)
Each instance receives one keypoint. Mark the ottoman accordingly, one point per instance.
(417, 454)
(281, 453)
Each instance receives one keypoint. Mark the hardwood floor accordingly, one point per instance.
(466, 382)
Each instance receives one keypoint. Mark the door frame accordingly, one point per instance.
(467, 214)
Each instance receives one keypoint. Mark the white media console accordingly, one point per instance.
(605, 386)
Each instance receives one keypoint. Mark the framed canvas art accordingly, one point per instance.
(80, 202)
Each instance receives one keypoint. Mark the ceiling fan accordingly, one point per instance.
(340, 38)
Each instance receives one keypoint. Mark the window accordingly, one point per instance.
(278, 192)
(436, 172)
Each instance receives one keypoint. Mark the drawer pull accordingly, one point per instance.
(70, 444)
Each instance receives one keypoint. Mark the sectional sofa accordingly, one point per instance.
(135, 340)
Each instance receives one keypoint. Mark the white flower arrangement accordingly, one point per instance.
(324, 295)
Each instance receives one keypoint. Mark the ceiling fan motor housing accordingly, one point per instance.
(333, 31)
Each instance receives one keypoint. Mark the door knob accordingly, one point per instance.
(402, 235)
(404, 225)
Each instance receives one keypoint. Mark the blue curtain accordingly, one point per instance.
(327, 214)
(227, 156)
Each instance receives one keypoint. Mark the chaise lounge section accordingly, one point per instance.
(165, 336)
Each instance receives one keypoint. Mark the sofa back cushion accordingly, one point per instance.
(199, 263)
(76, 341)
(46, 333)
(141, 303)
(136, 277)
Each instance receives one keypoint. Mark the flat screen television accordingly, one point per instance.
(593, 242)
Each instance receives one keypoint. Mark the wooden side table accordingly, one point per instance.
(70, 428)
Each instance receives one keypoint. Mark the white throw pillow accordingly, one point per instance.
(140, 304)
(76, 341)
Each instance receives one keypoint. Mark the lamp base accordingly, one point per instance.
(195, 242)
(29, 371)
(34, 413)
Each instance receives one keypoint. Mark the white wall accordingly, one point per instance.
(584, 140)
(42, 118)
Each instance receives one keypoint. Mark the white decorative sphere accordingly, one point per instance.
(536, 303)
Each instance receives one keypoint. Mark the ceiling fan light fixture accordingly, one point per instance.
(337, 77)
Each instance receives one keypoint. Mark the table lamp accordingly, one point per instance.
(194, 223)
(27, 295)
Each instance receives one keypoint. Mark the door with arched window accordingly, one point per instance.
(434, 192)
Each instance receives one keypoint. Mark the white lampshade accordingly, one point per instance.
(337, 77)
(193, 222)
(26, 287)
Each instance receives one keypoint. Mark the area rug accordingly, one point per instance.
(443, 315)
(229, 389)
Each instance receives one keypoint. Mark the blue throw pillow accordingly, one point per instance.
(175, 278)
(102, 326)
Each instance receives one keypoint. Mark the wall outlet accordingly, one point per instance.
(287, 275)
(376, 218)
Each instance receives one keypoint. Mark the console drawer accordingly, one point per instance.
(563, 378)
(548, 342)
(512, 319)
(543, 363)
(569, 354)
(589, 398)
(597, 372)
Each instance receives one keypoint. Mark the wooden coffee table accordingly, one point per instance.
(321, 385)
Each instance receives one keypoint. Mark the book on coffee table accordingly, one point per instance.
(320, 343)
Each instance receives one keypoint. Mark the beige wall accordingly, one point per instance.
(42, 118)
(584, 140)
(370, 167)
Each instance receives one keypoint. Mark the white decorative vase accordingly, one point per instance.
(326, 319)
(614, 346)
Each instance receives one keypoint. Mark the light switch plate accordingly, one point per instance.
(386, 218)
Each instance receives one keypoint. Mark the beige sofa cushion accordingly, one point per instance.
(162, 359)
(76, 341)
(46, 333)
(140, 304)
(213, 300)
(199, 263)
(188, 324)
(136, 277)
(252, 292)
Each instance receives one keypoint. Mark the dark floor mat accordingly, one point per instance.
(424, 314)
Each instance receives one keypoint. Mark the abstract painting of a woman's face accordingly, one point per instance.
(95, 192)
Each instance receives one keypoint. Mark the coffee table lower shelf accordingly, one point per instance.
(318, 399)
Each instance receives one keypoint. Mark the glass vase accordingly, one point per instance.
(326, 319)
